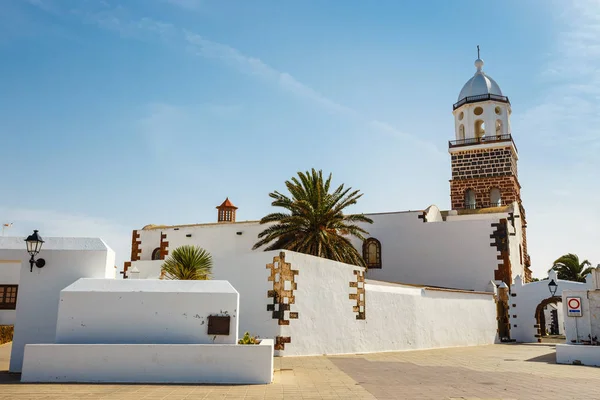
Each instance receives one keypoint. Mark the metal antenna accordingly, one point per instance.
(478, 51)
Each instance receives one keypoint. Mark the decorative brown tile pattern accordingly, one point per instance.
(164, 246)
(500, 241)
(283, 278)
(136, 243)
(359, 296)
(280, 342)
(126, 266)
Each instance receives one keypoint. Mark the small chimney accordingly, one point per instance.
(226, 211)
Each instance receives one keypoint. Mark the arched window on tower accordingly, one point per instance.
(498, 128)
(479, 129)
(461, 132)
(156, 254)
(470, 199)
(495, 197)
(372, 253)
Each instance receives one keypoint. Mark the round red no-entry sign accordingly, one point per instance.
(574, 303)
(574, 307)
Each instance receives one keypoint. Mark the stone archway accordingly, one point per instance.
(540, 317)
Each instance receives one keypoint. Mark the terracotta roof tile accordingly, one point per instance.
(227, 204)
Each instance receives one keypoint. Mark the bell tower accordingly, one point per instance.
(483, 155)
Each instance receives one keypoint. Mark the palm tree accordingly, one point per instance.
(188, 263)
(569, 268)
(314, 222)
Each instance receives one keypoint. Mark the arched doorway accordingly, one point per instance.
(548, 320)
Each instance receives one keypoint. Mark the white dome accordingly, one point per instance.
(479, 84)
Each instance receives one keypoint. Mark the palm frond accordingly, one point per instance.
(314, 222)
(188, 263)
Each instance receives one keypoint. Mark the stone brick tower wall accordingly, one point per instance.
(482, 170)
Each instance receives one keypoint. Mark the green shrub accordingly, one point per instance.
(6, 333)
(247, 339)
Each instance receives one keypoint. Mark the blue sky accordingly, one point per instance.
(117, 114)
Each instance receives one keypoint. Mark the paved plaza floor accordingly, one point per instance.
(506, 371)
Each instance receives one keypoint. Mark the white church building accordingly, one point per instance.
(480, 241)
(469, 251)
(434, 278)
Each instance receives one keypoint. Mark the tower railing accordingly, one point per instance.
(480, 97)
(507, 137)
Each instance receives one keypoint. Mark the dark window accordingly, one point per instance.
(521, 254)
(470, 199)
(372, 253)
(156, 254)
(8, 297)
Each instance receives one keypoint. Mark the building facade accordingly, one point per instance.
(479, 242)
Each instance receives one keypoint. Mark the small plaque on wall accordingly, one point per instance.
(218, 325)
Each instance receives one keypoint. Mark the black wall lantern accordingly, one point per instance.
(34, 245)
(552, 287)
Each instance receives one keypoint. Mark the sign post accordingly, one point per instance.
(574, 310)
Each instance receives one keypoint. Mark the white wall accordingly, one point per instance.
(515, 237)
(67, 259)
(149, 363)
(218, 239)
(247, 273)
(580, 355)
(524, 300)
(452, 254)
(9, 275)
(398, 317)
(145, 311)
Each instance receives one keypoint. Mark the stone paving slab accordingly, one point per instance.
(506, 372)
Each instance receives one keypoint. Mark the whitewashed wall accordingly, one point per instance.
(145, 311)
(149, 363)
(398, 317)
(67, 259)
(526, 297)
(9, 275)
(515, 238)
(578, 328)
(454, 253)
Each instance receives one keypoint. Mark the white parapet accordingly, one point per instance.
(111, 311)
(149, 363)
(578, 354)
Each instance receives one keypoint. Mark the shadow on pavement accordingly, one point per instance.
(549, 358)
(6, 377)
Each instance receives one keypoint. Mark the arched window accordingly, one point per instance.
(372, 253)
(470, 199)
(156, 254)
(495, 197)
(498, 127)
(479, 129)
(461, 132)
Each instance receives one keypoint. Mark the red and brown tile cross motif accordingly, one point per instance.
(359, 296)
(283, 278)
